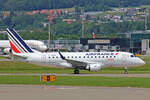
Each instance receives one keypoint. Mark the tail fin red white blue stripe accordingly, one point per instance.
(17, 43)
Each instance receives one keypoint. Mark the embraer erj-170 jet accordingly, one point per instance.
(92, 61)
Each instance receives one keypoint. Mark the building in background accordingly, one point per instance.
(139, 41)
(106, 44)
(135, 42)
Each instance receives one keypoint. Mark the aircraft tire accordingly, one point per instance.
(126, 72)
(76, 71)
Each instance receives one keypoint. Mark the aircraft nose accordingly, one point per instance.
(141, 62)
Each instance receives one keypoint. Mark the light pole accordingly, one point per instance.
(83, 20)
(50, 18)
(49, 33)
(146, 18)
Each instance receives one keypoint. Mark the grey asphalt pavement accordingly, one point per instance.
(104, 75)
(40, 92)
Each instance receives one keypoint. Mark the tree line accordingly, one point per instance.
(74, 30)
(62, 29)
(90, 5)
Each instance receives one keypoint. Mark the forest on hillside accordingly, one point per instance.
(90, 5)
(32, 27)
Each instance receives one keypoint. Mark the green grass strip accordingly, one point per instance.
(1, 57)
(80, 81)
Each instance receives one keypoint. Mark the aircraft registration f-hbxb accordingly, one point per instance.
(92, 61)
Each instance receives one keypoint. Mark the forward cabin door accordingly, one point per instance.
(43, 58)
(124, 59)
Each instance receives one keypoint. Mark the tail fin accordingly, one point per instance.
(17, 43)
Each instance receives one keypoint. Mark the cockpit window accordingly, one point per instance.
(132, 56)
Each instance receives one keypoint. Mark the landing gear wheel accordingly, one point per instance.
(125, 72)
(76, 71)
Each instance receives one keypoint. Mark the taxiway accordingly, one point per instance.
(39, 92)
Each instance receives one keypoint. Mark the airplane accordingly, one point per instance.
(34, 44)
(92, 61)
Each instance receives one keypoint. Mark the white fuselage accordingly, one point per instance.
(102, 58)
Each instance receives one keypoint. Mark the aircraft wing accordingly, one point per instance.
(74, 62)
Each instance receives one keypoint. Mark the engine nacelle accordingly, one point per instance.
(94, 67)
(7, 50)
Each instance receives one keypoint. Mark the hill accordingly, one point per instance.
(90, 5)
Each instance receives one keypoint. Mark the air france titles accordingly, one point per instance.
(98, 53)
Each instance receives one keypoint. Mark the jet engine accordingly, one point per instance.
(7, 50)
(94, 67)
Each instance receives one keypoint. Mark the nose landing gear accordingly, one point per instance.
(76, 71)
(125, 70)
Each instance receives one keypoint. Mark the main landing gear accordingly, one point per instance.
(125, 70)
(76, 71)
